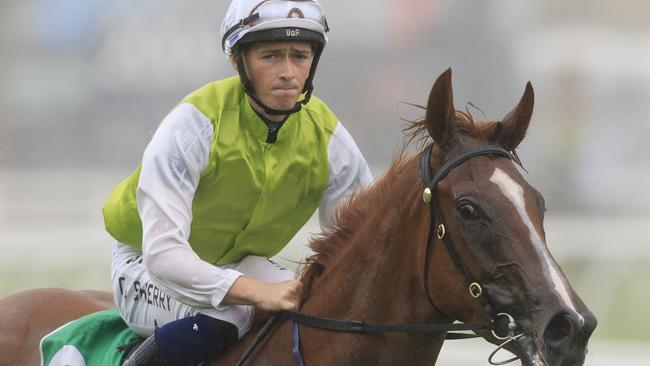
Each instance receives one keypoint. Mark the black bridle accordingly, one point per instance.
(430, 184)
(436, 221)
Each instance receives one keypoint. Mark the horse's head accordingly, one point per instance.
(494, 218)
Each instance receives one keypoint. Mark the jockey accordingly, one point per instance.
(229, 177)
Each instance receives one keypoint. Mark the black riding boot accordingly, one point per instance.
(146, 354)
(185, 342)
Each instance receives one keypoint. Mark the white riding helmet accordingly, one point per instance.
(249, 21)
(250, 16)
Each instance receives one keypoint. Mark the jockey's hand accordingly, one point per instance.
(280, 296)
(265, 296)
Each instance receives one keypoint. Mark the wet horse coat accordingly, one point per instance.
(371, 267)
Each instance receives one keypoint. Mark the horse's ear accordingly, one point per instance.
(440, 117)
(515, 124)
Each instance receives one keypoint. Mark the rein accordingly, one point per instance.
(355, 326)
(475, 289)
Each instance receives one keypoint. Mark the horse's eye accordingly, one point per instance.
(468, 211)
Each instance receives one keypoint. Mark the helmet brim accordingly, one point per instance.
(273, 30)
(283, 35)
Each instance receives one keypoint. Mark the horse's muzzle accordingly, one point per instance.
(565, 338)
(563, 341)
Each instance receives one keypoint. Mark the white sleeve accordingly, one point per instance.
(348, 171)
(171, 166)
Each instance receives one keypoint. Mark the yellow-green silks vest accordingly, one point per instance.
(252, 197)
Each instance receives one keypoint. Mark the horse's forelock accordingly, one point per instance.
(416, 131)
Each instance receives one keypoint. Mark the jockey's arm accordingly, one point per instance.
(171, 167)
(348, 171)
(270, 297)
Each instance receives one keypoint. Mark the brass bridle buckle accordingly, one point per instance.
(476, 290)
(441, 231)
(426, 195)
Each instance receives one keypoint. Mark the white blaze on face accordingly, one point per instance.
(515, 194)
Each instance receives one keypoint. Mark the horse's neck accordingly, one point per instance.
(371, 276)
(378, 279)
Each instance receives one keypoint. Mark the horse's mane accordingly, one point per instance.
(329, 245)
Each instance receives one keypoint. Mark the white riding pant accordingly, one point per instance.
(144, 306)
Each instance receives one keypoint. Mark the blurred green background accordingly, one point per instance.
(83, 85)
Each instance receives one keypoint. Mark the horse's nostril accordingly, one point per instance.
(558, 329)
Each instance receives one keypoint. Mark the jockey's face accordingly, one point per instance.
(278, 71)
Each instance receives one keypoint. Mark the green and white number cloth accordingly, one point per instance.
(92, 340)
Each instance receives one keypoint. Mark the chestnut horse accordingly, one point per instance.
(472, 250)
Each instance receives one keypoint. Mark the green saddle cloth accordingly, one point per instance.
(92, 340)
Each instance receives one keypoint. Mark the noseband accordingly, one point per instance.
(475, 289)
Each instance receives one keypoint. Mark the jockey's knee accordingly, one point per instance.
(195, 339)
